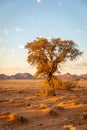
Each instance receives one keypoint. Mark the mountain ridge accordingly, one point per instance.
(73, 76)
(30, 76)
(17, 76)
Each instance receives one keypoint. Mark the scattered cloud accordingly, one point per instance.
(75, 67)
(17, 29)
(52, 32)
(2, 49)
(59, 3)
(82, 63)
(40, 36)
(13, 69)
(6, 31)
(35, 31)
(49, 38)
(12, 56)
(21, 46)
(1, 53)
(1, 40)
(13, 51)
(80, 30)
(39, 1)
(5, 40)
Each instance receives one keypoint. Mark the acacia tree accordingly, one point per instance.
(48, 55)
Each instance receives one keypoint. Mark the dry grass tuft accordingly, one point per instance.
(69, 127)
(85, 115)
(56, 110)
(43, 106)
(13, 117)
(16, 118)
(66, 84)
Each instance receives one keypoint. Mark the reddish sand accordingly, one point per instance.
(23, 98)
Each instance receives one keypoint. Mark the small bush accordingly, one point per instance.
(69, 127)
(66, 84)
(85, 115)
(16, 118)
(49, 89)
(13, 117)
(42, 106)
(56, 110)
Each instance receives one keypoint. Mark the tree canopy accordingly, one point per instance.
(48, 55)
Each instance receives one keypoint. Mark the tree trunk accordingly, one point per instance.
(51, 87)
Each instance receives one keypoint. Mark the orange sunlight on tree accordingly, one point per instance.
(48, 55)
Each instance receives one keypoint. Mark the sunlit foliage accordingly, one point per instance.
(48, 55)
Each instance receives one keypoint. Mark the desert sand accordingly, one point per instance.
(23, 99)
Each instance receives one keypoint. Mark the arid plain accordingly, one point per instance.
(23, 107)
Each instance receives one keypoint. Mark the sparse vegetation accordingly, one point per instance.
(43, 106)
(17, 118)
(66, 84)
(59, 84)
(56, 110)
(85, 115)
(42, 112)
(69, 127)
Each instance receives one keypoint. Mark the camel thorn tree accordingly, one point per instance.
(48, 55)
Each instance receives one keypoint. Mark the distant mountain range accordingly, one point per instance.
(29, 76)
(17, 76)
(70, 76)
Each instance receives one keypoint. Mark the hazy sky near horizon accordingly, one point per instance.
(22, 21)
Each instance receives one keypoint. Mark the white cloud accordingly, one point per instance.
(49, 38)
(13, 51)
(39, 1)
(1, 53)
(35, 31)
(5, 40)
(82, 62)
(6, 31)
(76, 67)
(40, 36)
(59, 3)
(21, 46)
(2, 49)
(1, 40)
(18, 29)
(12, 56)
(13, 69)
(80, 30)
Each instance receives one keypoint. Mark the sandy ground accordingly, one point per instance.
(23, 98)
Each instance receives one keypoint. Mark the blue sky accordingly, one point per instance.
(22, 21)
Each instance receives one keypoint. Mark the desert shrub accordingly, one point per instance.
(16, 118)
(69, 127)
(55, 84)
(55, 110)
(66, 84)
(42, 106)
(85, 115)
